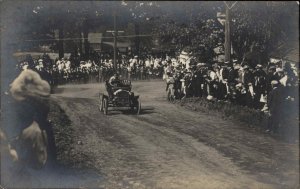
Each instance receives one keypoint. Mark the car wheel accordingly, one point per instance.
(100, 106)
(105, 106)
(138, 107)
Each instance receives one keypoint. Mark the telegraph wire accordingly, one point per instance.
(70, 39)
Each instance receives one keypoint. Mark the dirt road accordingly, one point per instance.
(168, 146)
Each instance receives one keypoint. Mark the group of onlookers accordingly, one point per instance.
(65, 70)
(271, 88)
(265, 87)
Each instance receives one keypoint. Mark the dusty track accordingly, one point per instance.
(168, 146)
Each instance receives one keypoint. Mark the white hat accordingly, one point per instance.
(237, 67)
(259, 66)
(246, 67)
(239, 85)
(209, 97)
(274, 82)
(201, 64)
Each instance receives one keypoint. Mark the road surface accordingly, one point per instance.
(168, 146)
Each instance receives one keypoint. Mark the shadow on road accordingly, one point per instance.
(118, 111)
(67, 90)
(53, 175)
(147, 110)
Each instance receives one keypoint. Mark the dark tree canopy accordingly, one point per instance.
(259, 28)
(256, 26)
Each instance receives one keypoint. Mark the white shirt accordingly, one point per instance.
(147, 63)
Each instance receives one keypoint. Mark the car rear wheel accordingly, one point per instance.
(138, 107)
(100, 106)
(105, 106)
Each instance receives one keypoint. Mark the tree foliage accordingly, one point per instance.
(259, 28)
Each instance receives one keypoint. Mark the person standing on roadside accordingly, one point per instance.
(274, 102)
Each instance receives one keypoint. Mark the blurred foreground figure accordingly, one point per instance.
(29, 85)
(24, 128)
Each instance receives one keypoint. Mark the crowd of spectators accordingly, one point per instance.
(66, 70)
(269, 87)
(272, 88)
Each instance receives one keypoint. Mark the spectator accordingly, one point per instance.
(274, 103)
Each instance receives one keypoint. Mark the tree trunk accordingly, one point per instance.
(86, 43)
(137, 39)
(80, 43)
(60, 42)
(227, 44)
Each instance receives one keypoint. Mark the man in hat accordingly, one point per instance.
(279, 74)
(224, 76)
(40, 65)
(177, 75)
(274, 102)
(270, 77)
(259, 85)
(201, 80)
(248, 81)
(232, 78)
(195, 80)
(234, 62)
(114, 80)
(187, 78)
(213, 82)
(247, 76)
(240, 96)
(232, 74)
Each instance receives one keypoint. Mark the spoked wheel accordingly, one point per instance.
(100, 105)
(105, 106)
(138, 107)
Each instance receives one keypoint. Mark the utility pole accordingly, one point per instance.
(137, 39)
(115, 33)
(60, 42)
(115, 41)
(227, 44)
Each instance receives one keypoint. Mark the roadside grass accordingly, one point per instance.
(62, 130)
(243, 115)
(67, 152)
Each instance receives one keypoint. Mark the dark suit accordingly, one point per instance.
(259, 87)
(248, 78)
(274, 101)
(232, 75)
(269, 78)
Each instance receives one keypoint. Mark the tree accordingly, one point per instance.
(196, 28)
(259, 28)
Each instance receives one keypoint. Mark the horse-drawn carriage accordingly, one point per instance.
(119, 95)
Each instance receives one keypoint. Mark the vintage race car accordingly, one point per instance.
(119, 95)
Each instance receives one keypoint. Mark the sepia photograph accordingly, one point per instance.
(149, 94)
